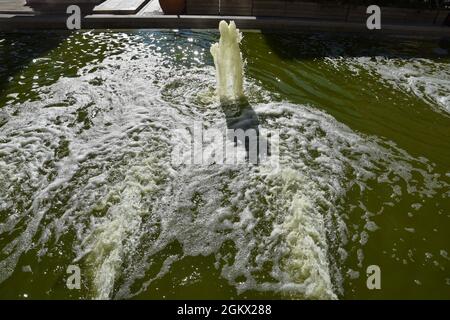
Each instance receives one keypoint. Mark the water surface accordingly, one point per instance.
(87, 124)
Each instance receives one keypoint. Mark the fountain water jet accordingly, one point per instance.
(228, 61)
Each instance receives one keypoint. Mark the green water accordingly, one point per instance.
(87, 124)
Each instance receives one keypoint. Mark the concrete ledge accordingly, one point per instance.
(31, 22)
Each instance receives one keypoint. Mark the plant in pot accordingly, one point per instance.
(173, 6)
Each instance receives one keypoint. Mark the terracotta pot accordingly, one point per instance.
(172, 6)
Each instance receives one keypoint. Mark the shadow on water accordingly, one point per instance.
(17, 50)
(307, 46)
(240, 116)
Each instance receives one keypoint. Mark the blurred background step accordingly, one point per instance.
(14, 7)
(120, 6)
(38, 7)
(153, 8)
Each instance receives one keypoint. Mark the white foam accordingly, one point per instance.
(118, 233)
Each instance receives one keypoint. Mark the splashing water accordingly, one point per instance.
(228, 61)
(87, 177)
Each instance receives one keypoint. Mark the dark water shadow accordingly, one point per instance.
(17, 50)
(308, 46)
(240, 115)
